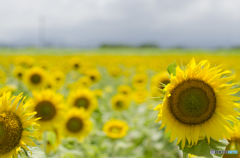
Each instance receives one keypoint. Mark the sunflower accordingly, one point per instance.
(83, 82)
(84, 99)
(35, 77)
(7, 88)
(120, 102)
(157, 84)
(140, 96)
(77, 123)
(19, 72)
(59, 77)
(114, 71)
(49, 106)
(15, 125)
(125, 90)
(234, 142)
(94, 75)
(197, 103)
(140, 81)
(115, 129)
(75, 63)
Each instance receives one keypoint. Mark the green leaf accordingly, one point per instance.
(37, 152)
(51, 137)
(172, 68)
(203, 148)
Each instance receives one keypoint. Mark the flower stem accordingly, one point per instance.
(185, 155)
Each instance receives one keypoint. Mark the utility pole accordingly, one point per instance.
(42, 31)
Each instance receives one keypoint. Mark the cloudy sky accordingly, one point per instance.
(90, 23)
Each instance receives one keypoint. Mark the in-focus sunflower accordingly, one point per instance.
(115, 129)
(198, 103)
(49, 106)
(35, 77)
(120, 102)
(234, 142)
(77, 123)
(84, 99)
(15, 125)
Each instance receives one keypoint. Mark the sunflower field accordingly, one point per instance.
(110, 103)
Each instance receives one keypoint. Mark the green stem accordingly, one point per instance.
(45, 140)
(185, 155)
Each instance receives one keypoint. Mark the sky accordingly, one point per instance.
(90, 23)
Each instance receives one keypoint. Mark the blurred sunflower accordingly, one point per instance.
(234, 142)
(198, 103)
(75, 64)
(120, 102)
(24, 61)
(35, 77)
(77, 123)
(83, 82)
(115, 129)
(98, 93)
(114, 71)
(14, 125)
(19, 72)
(125, 90)
(7, 88)
(49, 106)
(94, 75)
(59, 77)
(157, 84)
(140, 96)
(84, 99)
(140, 81)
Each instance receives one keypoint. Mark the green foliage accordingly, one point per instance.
(203, 148)
(172, 68)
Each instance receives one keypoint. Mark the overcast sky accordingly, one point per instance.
(90, 23)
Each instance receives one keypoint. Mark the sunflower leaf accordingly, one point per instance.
(172, 68)
(37, 152)
(203, 148)
(51, 137)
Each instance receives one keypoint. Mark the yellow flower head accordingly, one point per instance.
(125, 90)
(77, 123)
(84, 99)
(140, 81)
(120, 102)
(157, 84)
(14, 125)
(94, 75)
(35, 77)
(49, 106)
(115, 129)
(198, 103)
(140, 96)
(19, 72)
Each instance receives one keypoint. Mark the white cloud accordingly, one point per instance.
(198, 23)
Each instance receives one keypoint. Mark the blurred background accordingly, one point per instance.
(95, 23)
